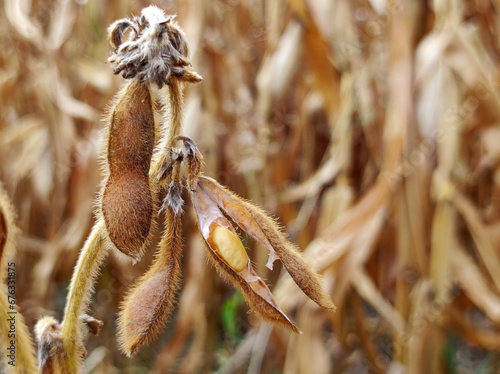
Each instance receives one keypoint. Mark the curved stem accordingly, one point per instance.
(82, 282)
(161, 158)
(176, 110)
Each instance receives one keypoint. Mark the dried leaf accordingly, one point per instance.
(485, 247)
(367, 290)
(51, 354)
(93, 325)
(474, 283)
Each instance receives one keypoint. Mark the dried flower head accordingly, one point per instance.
(155, 51)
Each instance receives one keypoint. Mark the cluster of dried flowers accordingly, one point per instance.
(148, 161)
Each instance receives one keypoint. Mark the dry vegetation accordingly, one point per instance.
(367, 127)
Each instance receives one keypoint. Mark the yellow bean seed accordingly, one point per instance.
(229, 247)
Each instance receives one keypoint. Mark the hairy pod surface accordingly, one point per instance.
(127, 203)
(147, 307)
(256, 293)
(267, 231)
(295, 264)
(229, 260)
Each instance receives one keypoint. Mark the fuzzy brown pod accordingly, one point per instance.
(51, 354)
(127, 202)
(230, 259)
(148, 305)
(265, 230)
(155, 51)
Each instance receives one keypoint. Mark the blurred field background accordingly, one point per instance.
(368, 127)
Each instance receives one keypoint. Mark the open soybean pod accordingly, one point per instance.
(231, 260)
(266, 230)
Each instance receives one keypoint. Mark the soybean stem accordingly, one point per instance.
(82, 282)
(176, 113)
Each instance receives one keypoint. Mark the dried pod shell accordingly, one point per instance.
(147, 307)
(295, 264)
(233, 206)
(255, 291)
(127, 203)
(267, 231)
